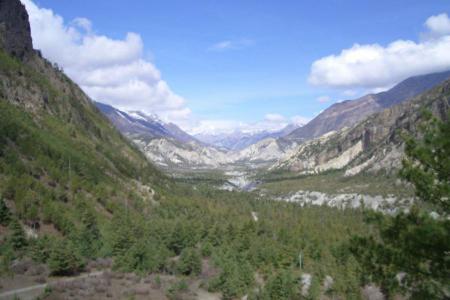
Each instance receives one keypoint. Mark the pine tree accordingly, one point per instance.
(280, 286)
(17, 238)
(63, 259)
(190, 262)
(89, 235)
(5, 215)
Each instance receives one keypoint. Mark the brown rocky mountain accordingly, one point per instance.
(350, 112)
(373, 144)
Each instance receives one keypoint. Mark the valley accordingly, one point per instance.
(105, 202)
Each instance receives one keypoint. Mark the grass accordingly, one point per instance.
(333, 182)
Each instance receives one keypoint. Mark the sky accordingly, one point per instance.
(212, 65)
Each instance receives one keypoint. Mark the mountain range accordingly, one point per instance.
(350, 112)
(375, 144)
(167, 145)
(239, 139)
(170, 147)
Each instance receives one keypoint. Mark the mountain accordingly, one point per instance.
(350, 112)
(238, 139)
(57, 151)
(263, 152)
(168, 146)
(373, 144)
(137, 124)
(172, 154)
(163, 143)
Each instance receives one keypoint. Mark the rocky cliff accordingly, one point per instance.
(15, 34)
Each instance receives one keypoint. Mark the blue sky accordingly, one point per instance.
(242, 60)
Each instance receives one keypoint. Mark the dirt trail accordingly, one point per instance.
(31, 292)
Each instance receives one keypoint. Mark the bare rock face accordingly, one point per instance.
(15, 33)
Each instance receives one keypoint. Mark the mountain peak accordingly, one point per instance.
(15, 33)
(145, 117)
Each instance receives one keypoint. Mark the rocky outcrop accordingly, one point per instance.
(15, 33)
(171, 154)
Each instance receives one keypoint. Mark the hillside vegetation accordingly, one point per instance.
(73, 189)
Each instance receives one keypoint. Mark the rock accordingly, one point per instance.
(305, 284)
(328, 283)
(371, 292)
(15, 33)
(21, 266)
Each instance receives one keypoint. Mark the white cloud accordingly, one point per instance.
(83, 23)
(323, 99)
(109, 70)
(231, 45)
(374, 66)
(438, 25)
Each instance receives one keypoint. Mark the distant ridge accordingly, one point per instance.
(350, 112)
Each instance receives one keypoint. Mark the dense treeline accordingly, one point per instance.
(220, 229)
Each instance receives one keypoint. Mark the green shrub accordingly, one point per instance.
(63, 259)
(281, 286)
(190, 262)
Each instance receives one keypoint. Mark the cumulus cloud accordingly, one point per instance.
(108, 70)
(231, 45)
(375, 66)
(438, 25)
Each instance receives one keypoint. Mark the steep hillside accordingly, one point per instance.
(374, 144)
(56, 149)
(350, 112)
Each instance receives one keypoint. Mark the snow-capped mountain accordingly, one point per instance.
(239, 139)
(139, 125)
(169, 146)
(163, 143)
